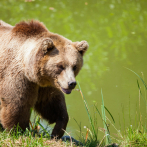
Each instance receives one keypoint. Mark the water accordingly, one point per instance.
(116, 32)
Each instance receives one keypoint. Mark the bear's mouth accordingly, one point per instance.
(66, 91)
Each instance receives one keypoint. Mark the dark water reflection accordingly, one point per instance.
(116, 31)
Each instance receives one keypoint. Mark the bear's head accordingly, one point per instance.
(61, 62)
(50, 59)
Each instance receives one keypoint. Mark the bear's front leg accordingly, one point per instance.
(13, 114)
(51, 105)
(60, 127)
(17, 96)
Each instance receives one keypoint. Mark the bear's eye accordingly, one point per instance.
(74, 68)
(50, 48)
(60, 67)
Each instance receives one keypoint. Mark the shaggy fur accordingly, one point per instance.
(36, 68)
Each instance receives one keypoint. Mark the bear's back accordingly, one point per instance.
(4, 27)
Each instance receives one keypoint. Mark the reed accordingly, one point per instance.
(130, 137)
(91, 138)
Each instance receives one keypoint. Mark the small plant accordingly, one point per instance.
(37, 128)
(91, 138)
(134, 137)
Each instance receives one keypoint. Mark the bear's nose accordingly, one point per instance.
(72, 84)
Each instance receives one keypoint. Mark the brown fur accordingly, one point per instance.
(36, 68)
(29, 29)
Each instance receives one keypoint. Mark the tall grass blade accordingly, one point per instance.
(108, 139)
(139, 77)
(109, 114)
(141, 92)
(98, 112)
(79, 125)
(89, 116)
(44, 129)
(101, 117)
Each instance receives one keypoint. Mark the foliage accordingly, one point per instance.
(134, 137)
(91, 139)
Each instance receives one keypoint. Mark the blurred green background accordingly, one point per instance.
(116, 32)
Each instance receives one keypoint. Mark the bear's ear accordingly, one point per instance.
(47, 45)
(81, 46)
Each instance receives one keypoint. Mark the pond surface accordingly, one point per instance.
(116, 31)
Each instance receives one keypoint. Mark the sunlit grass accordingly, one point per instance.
(36, 136)
(28, 141)
(29, 138)
(134, 137)
(91, 137)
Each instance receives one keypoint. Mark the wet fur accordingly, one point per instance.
(28, 74)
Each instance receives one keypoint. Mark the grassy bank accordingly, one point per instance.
(7, 140)
(131, 138)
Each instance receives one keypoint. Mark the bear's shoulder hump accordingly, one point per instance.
(31, 28)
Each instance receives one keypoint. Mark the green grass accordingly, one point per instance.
(133, 137)
(91, 138)
(37, 136)
(28, 140)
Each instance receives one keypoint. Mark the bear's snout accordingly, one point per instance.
(72, 84)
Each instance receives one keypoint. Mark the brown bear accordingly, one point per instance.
(36, 68)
